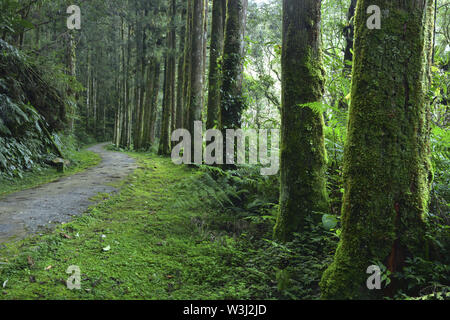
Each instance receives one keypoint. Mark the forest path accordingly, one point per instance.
(28, 211)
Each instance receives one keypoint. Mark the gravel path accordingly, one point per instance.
(29, 211)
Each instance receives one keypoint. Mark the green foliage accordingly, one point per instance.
(11, 21)
(242, 204)
(424, 279)
(242, 193)
(22, 143)
(31, 107)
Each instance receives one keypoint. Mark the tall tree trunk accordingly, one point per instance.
(216, 50)
(88, 89)
(169, 90)
(180, 76)
(71, 71)
(154, 101)
(232, 102)
(387, 170)
(150, 85)
(349, 33)
(205, 44)
(196, 81)
(187, 64)
(164, 143)
(140, 87)
(303, 156)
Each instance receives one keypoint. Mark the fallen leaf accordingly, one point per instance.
(30, 261)
(48, 268)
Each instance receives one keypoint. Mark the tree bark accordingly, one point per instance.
(196, 78)
(216, 50)
(187, 65)
(180, 77)
(303, 156)
(169, 90)
(387, 170)
(232, 101)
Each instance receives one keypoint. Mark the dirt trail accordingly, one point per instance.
(28, 211)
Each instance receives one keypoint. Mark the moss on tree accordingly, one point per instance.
(232, 102)
(217, 42)
(387, 169)
(303, 156)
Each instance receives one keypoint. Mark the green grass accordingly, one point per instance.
(157, 249)
(79, 162)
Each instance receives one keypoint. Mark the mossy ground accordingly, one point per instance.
(156, 251)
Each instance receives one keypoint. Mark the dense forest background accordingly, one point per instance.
(137, 70)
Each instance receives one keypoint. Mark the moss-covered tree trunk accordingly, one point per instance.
(196, 77)
(302, 154)
(139, 83)
(386, 168)
(169, 89)
(232, 102)
(71, 58)
(164, 142)
(349, 33)
(154, 101)
(180, 76)
(205, 43)
(187, 65)
(216, 50)
(151, 87)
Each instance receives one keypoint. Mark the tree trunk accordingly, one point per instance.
(196, 83)
(216, 50)
(303, 155)
(205, 44)
(349, 33)
(169, 89)
(180, 77)
(387, 170)
(232, 101)
(154, 101)
(187, 65)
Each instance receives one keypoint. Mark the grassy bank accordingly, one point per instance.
(143, 244)
(173, 232)
(134, 245)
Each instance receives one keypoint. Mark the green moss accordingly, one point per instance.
(386, 167)
(303, 155)
(156, 249)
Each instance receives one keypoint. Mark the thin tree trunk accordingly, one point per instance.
(154, 102)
